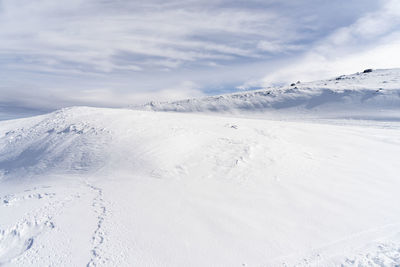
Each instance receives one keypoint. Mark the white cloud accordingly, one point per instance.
(277, 47)
(373, 41)
(35, 98)
(115, 53)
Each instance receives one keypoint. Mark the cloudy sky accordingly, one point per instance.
(120, 52)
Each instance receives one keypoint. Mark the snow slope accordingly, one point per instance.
(122, 187)
(368, 95)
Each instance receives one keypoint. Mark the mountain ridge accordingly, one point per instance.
(367, 91)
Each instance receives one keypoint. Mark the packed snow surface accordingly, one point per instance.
(121, 187)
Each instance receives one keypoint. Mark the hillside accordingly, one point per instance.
(122, 187)
(376, 93)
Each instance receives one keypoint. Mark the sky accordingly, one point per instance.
(116, 53)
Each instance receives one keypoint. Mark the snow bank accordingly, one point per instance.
(64, 140)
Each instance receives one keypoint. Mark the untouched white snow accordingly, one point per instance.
(374, 95)
(118, 187)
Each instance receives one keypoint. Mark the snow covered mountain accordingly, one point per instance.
(360, 93)
(122, 187)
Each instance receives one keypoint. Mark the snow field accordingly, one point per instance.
(183, 189)
(304, 175)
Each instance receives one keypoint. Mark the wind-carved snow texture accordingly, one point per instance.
(62, 140)
(17, 239)
(11, 199)
(385, 254)
(98, 234)
(122, 187)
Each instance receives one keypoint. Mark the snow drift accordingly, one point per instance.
(63, 140)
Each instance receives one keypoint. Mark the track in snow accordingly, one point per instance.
(98, 234)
